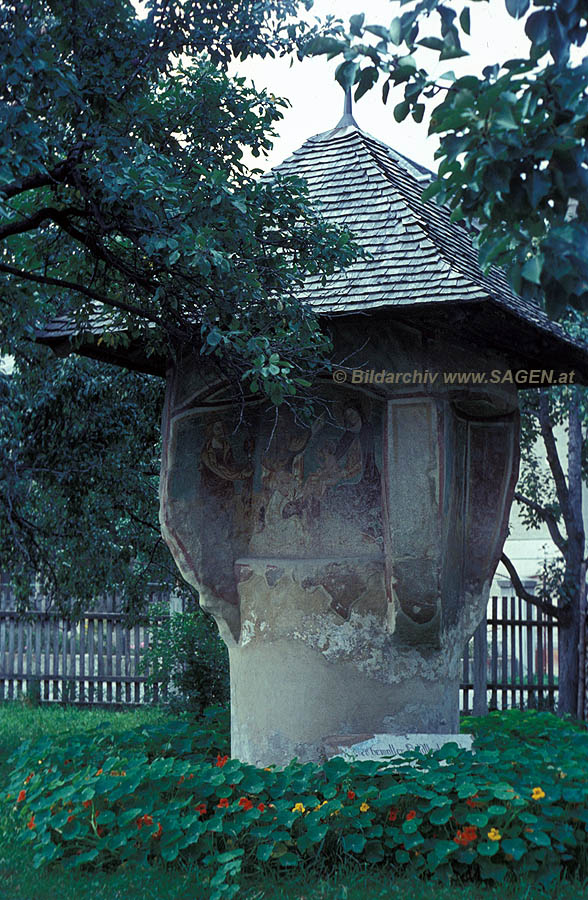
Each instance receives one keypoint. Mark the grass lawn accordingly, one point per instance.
(20, 881)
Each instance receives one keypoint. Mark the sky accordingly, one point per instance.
(317, 100)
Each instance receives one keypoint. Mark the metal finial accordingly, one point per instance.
(347, 118)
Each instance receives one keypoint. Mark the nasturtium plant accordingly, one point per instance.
(515, 807)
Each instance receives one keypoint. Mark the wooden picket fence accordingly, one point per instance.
(511, 661)
(95, 660)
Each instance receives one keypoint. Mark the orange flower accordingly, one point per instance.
(351, 795)
(411, 814)
(200, 809)
(221, 760)
(223, 802)
(246, 803)
(393, 814)
(99, 772)
(159, 832)
(31, 822)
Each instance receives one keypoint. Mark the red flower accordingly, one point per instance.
(411, 814)
(471, 801)
(28, 778)
(31, 822)
(100, 831)
(99, 772)
(246, 803)
(200, 809)
(393, 814)
(21, 797)
(191, 775)
(144, 820)
(221, 760)
(351, 795)
(466, 836)
(86, 804)
(181, 780)
(159, 832)
(70, 819)
(223, 802)
(261, 807)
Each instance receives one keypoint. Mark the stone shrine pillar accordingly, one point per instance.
(346, 563)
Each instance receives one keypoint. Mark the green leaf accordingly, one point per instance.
(396, 31)
(464, 19)
(488, 848)
(401, 111)
(353, 843)
(517, 8)
(539, 838)
(440, 816)
(356, 23)
(368, 77)
(515, 846)
(532, 268)
(380, 31)
(346, 73)
(264, 851)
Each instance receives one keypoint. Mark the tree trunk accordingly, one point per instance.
(569, 495)
(569, 670)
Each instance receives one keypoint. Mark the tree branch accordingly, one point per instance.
(36, 180)
(51, 213)
(548, 517)
(553, 457)
(88, 292)
(524, 594)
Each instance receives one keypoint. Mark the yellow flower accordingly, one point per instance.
(320, 805)
(494, 834)
(364, 807)
(538, 793)
(336, 812)
(561, 774)
(299, 807)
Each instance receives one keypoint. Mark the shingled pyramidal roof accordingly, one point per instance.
(422, 268)
(419, 255)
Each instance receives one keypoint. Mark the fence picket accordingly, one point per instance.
(98, 659)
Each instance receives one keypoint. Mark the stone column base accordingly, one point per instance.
(286, 699)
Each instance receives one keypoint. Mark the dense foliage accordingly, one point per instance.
(516, 807)
(124, 198)
(187, 656)
(125, 204)
(513, 152)
(79, 454)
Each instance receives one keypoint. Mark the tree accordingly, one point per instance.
(123, 187)
(553, 496)
(125, 204)
(513, 142)
(79, 454)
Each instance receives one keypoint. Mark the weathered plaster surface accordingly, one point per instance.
(346, 563)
